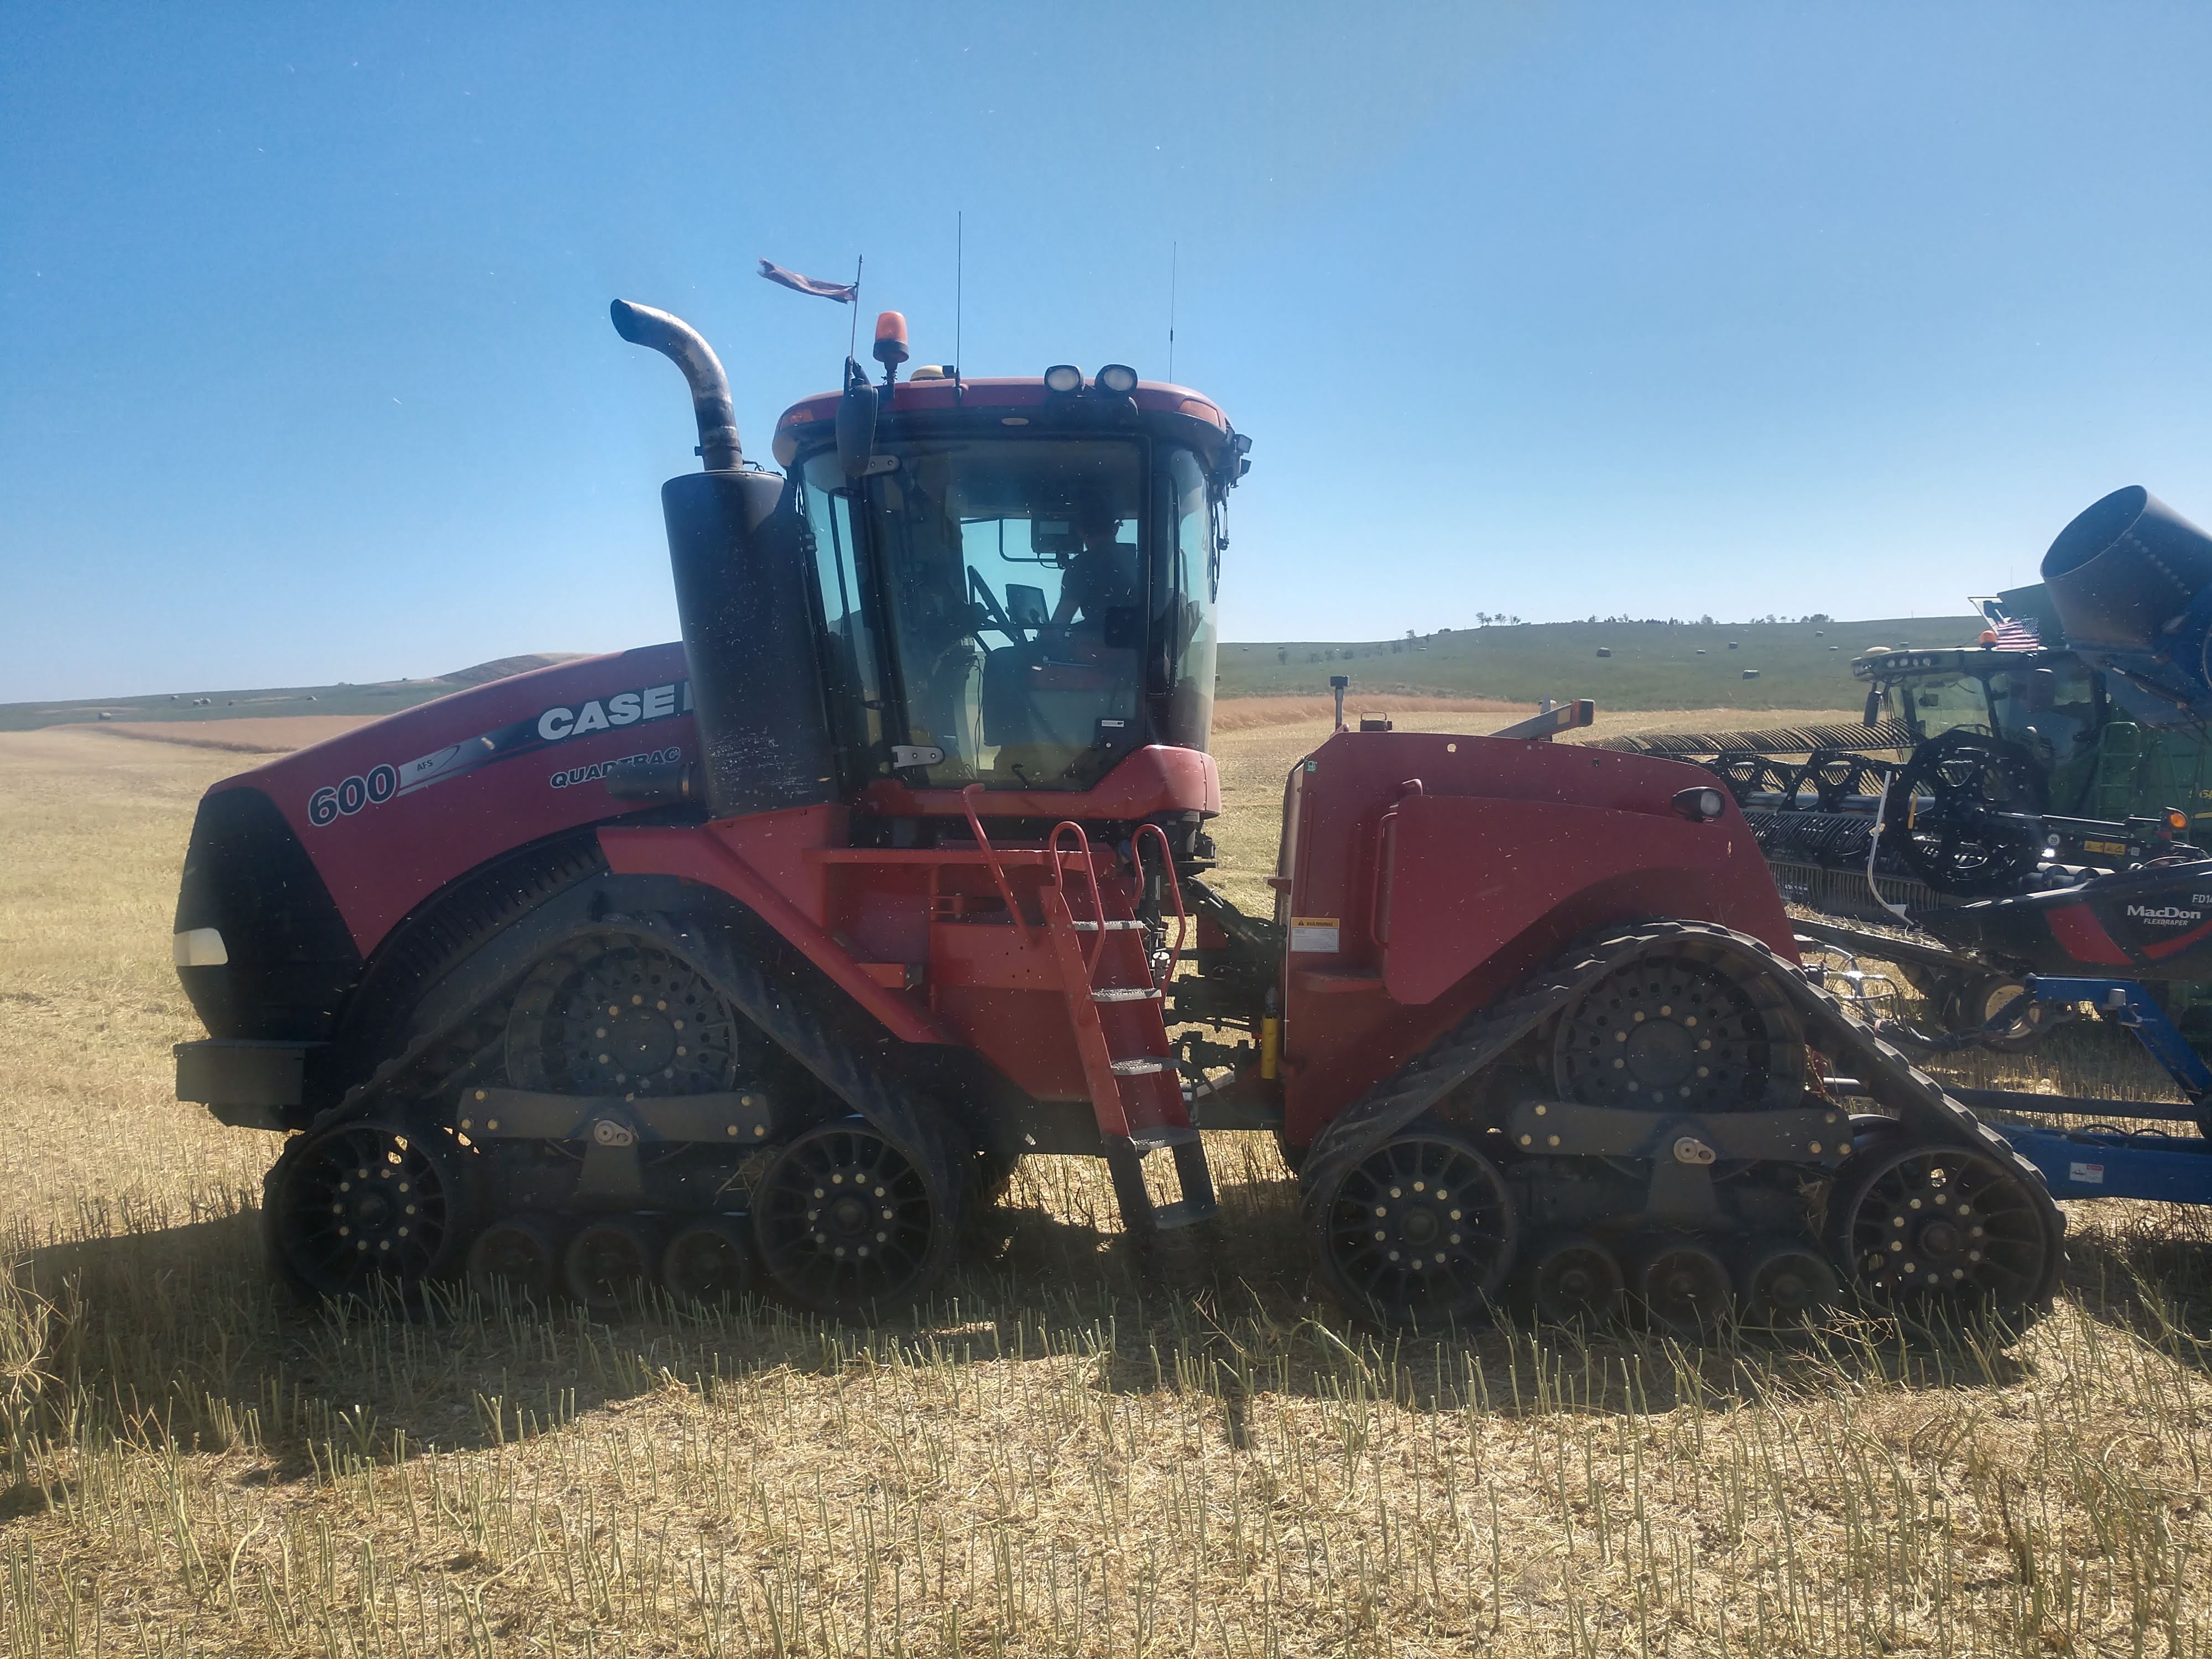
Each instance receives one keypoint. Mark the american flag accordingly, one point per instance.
(844, 293)
(2011, 634)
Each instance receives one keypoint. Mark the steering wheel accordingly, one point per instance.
(993, 612)
(1969, 839)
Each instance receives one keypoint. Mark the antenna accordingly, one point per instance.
(1175, 260)
(853, 339)
(959, 275)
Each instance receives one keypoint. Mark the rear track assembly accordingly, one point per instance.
(1938, 1160)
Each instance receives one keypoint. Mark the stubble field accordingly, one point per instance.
(1073, 1452)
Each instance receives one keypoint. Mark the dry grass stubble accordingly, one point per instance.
(1070, 1453)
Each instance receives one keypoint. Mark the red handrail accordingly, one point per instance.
(1385, 844)
(1175, 886)
(1059, 856)
(991, 857)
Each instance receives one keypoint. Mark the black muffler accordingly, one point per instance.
(737, 550)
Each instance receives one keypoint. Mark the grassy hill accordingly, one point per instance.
(1652, 664)
(384, 697)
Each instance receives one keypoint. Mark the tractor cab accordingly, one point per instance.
(994, 588)
(1014, 581)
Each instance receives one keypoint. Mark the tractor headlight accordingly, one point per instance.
(1063, 377)
(1119, 379)
(199, 947)
(1701, 803)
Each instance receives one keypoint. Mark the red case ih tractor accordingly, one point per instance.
(767, 955)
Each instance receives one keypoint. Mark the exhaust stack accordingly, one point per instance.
(683, 345)
(738, 551)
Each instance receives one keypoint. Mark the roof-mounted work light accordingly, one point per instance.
(1063, 377)
(1119, 379)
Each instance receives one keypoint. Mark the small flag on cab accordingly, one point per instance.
(844, 293)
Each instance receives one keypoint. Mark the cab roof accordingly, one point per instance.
(1021, 401)
(1883, 664)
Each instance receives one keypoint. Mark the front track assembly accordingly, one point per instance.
(639, 1110)
(1641, 1124)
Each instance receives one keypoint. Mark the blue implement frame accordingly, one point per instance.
(2102, 1162)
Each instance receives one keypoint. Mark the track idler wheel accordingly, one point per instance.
(1942, 1234)
(354, 1206)
(709, 1262)
(1669, 1031)
(846, 1220)
(1574, 1280)
(608, 1265)
(517, 1256)
(1685, 1287)
(1784, 1283)
(1420, 1233)
(622, 1018)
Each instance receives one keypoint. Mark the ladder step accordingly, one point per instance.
(1146, 993)
(1111, 927)
(1147, 1141)
(1141, 1068)
(1186, 1212)
(1124, 1157)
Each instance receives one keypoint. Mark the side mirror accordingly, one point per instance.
(856, 423)
(1231, 464)
(1873, 708)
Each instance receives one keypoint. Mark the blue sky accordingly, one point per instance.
(306, 375)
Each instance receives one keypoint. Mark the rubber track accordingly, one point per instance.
(1480, 1040)
(437, 1063)
(447, 929)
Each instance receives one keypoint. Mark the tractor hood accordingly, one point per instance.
(385, 815)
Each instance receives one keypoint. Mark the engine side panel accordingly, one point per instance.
(1429, 873)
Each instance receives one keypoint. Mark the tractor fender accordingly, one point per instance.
(698, 856)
